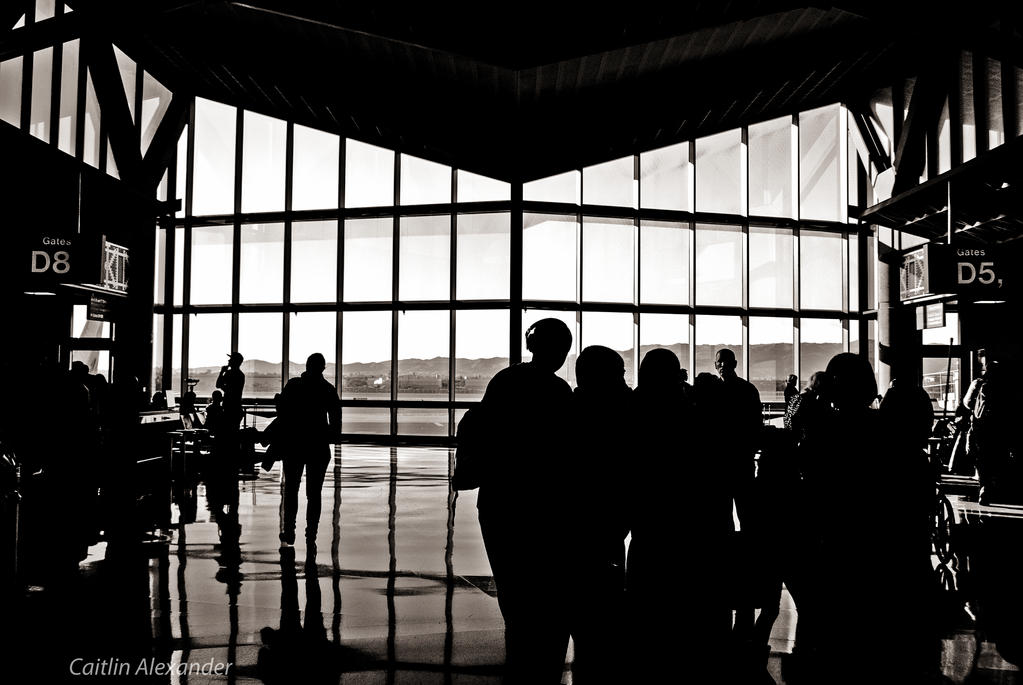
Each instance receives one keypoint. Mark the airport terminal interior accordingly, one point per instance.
(208, 204)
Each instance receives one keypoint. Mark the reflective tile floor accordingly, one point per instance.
(397, 590)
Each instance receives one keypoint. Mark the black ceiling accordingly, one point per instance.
(511, 92)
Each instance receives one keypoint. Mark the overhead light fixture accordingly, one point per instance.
(28, 292)
(989, 302)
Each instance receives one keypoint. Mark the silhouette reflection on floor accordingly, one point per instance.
(397, 590)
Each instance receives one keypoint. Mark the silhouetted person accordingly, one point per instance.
(791, 388)
(298, 652)
(992, 439)
(808, 407)
(686, 385)
(215, 412)
(884, 516)
(740, 400)
(121, 447)
(705, 385)
(189, 415)
(526, 409)
(781, 537)
(159, 401)
(910, 413)
(681, 518)
(222, 477)
(735, 444)
(597, 517)
(310, 412)
(232, 382)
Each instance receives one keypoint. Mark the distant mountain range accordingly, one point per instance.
(815, 357)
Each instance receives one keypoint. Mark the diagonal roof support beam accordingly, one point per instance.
(925, 105)
(117, 121)
(165, 141)
(863, 118)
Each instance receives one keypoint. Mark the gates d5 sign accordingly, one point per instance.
(975, 267)
(936, 269)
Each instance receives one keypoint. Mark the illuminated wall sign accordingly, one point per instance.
(114, 273)
(915, 272)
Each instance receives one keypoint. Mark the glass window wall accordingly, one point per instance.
(820, 266)
(10, 90)
(819, 341)
(42, 92)
(424, 266)
(314, 261)
(720, 176)
(664, 256)
(820, 164)
(648, 278)
(771, 355)
(263, 163)
(771, 168)
(666, 178)
(262, 264)
(213, 175)
(484, 254)
(67, 118)
(550, 257)
(315, 169)
(369, 244)
(719, 265)
(609, 260)
(770, 267)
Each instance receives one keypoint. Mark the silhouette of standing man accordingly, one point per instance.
(525, 414)
(744, 419)
(226, 445)
(311, 415)
(741, 422)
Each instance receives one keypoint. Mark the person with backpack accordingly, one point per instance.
(525, 416)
